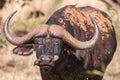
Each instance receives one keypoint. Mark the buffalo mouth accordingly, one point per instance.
(50, 63)
(44, 65)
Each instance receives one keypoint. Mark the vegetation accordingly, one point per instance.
(32, 13)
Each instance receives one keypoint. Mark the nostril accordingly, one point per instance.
(46, 58)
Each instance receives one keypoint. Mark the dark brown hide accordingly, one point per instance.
(77, 22)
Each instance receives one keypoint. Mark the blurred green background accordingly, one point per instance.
(33, 13)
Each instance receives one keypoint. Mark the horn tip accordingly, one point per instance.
(15, 11)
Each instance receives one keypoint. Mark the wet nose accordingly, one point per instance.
(46, 59)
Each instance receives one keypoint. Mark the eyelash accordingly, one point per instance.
(56, 43)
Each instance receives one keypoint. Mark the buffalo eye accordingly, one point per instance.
(57, 43)
(38, 40)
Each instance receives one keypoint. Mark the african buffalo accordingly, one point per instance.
(73, 41)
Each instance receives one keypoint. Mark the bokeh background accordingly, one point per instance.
(32, 13)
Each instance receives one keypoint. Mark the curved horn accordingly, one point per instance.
(68, 38)
(20, 40)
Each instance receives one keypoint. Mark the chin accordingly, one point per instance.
(46, 66)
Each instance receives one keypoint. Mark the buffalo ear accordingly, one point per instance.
(23, 49)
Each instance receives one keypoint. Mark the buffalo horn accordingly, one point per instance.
(14, 39)
(73, 42)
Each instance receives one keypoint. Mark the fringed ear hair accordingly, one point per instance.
(23, 49)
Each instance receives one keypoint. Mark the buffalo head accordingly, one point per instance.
(47, 41)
